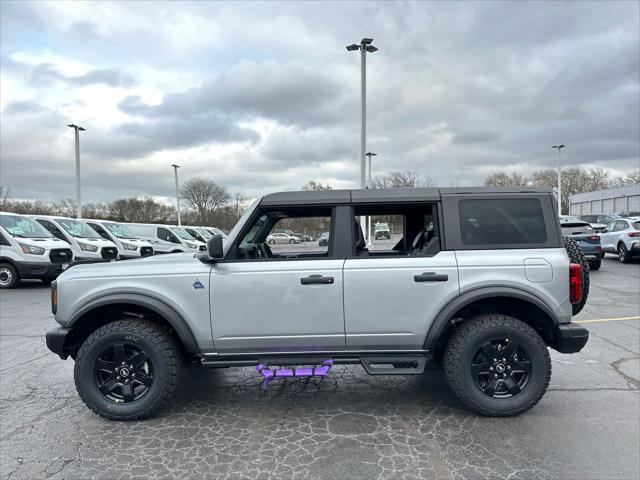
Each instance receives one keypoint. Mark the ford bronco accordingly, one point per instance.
(480, 284)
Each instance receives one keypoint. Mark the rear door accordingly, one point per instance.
(393, 288)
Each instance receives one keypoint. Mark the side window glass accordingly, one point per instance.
(53, 230)
(502, 222)
(167, 236)
(100, 231)
(290, 233)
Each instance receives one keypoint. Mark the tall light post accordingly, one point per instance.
(77, 129)
(364, 47)
(369, 185)
(175, 170)
(559, 147)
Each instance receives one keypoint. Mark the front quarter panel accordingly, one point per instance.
(181, 282)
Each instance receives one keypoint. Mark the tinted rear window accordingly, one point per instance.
(502, 222)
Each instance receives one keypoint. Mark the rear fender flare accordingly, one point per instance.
(440, 323)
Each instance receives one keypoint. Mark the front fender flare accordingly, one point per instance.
(439, 325)
(158, 306)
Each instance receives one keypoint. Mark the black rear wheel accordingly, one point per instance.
(497, 365)
(127, 369)
(623, 253)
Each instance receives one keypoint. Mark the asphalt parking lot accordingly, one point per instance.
(348, 426)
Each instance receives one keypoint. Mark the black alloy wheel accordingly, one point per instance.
(123, 373)
(501, 368)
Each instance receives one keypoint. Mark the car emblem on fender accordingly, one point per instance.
(197, 284)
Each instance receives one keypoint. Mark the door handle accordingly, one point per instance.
(316, 280)
(431, 277)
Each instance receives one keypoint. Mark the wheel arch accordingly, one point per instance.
(106, 309)
(505, 300)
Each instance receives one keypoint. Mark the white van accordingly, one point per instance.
(128, 245)
(199, 233)
(84, 240)
(167, 238)
(29, 251)
(215, 231)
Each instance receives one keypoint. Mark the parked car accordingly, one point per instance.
(167, 238)
(198, 233)
(381, 231)
(588, 240)
(323, 240)
(303, 237)
(128, 245)
(281, 237)
(599, 220)
(84, 241)
(622, 236)
(29, 251)
(216, 231)
(485, 298)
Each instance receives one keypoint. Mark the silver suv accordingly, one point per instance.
(480, 284)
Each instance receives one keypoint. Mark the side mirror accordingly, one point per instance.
(214, 247)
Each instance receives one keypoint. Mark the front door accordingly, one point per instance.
(282, 297)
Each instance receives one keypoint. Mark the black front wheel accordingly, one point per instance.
(8, 276)
(127, 369)
(497, 365)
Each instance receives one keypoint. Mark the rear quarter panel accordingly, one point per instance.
(543, 272)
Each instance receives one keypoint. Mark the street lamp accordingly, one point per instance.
(77, 129)
(559, 147)
(369, 185)
(364, 47)
(175, 169)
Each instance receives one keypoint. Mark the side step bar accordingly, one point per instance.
(394, 364)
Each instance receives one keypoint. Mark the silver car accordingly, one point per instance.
(622, 236)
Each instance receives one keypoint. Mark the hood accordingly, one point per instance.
(175, 262)
(99, 242)
(47, 243)
(136, 241)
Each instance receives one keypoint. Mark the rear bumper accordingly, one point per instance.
(40, 270)
(570, 337)
(56, 339)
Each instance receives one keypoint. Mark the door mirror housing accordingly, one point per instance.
(214, 247)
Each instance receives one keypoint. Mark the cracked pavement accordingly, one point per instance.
(350, 425)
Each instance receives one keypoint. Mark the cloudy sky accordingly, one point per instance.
(264, 96)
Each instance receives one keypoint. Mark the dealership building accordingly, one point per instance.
(612, 200)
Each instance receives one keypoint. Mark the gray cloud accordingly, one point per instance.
(45, 73)
(456, 90)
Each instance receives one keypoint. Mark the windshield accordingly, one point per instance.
(23, 227)
(182, 233)
(119, 231)
(77, 229)
(204, 233)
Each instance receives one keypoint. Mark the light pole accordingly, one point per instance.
(364, 47)
(175, 169)
(559, 147)
(369, 185)
(77, 129)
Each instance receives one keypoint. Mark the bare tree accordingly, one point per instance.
(137, 210)
(406, 179)
(65, 207)
(628, 179)
(505, 179)
(205, 196)
(312, 185)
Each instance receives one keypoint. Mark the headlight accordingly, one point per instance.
(191, 245)
(33, 250)
(128, 246)
(87, 248)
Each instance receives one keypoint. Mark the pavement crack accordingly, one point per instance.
(630, 380)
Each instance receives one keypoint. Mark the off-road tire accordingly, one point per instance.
(465, 342)
(577, 256)
(162, 352)
(623, 253)
(13, 277)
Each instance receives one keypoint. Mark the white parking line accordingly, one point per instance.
(598, 320)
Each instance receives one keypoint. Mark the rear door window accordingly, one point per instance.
(502, 222)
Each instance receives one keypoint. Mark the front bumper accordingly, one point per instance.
(41, 270)
(570, 337)
(56, 341)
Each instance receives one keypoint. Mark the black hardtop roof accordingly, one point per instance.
(392, 195)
